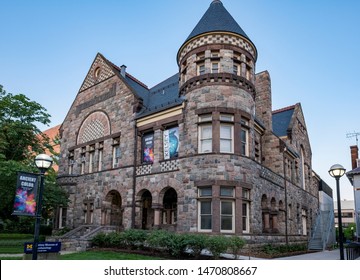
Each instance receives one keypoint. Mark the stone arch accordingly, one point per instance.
(264, 202)
(169, 206)
(281, 205)
(273, 204)
(111, 209)
(163, 185)
(96, 125)
(146, 208)
(274, 219)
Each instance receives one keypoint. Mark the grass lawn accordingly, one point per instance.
(97, 255)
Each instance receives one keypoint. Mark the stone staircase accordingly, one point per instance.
(79, 239)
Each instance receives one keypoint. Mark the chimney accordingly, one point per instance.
(123, 70)
(263, 98)
(354, 156)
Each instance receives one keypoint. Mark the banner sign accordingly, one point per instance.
(26, 194)
(171, 143)
(148, 148)
(43, 247)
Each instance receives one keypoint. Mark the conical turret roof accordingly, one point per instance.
(217, 18)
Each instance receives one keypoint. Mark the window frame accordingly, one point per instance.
(205, 121)
(232, 215)
(244, 145)
(205, 198)
(246, 217)
(201, 69)
(215, 67)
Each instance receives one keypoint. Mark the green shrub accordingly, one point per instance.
(157, 239)
(280, 249)
(115, 240)
(134, 238)
(176, 244)
(217, 245)
(236, 244)
(100, 240)
(196, 243)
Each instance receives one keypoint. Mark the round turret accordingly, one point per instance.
(217, 50)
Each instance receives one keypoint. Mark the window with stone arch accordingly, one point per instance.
(302, 166)
(95, 126)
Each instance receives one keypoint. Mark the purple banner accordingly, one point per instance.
(26, 194)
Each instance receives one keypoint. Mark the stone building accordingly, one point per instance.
(201, 151)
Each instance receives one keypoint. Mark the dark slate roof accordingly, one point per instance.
(353, 172)
(325, 188)
(217, 18)
(162, 96)
(138, 87)
(281, 120)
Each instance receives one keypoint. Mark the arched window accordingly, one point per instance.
(303, 181)
(95, 126)
(170, 207)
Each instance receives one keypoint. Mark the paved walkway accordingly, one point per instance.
(324, 255)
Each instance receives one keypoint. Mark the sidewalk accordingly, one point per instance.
(324, 255)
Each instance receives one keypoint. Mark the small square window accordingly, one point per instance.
(205, 192)
(205, 118)
(227, 191)
(226, 117)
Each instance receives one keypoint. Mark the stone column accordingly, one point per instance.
(157, 217)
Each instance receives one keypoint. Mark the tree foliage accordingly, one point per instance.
(20, 141)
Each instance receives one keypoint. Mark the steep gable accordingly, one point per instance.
(99, 71)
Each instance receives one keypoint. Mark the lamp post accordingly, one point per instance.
(43, 162)
(337, 171)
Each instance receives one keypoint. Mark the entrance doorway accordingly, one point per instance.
(147, 211)
(111, 209)
(170, 207)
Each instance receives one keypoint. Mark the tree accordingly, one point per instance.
(349, 231)
(20, 141)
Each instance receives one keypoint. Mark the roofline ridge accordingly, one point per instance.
(284, 109)
(127, 74)
(136, 80)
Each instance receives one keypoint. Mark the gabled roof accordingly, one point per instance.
(352, 173)
(217, 18)
(281, 120)
(162, 96)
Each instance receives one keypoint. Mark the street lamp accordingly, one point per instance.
(337, 171)
(43, 162)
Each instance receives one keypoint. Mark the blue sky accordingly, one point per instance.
(310, 48)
